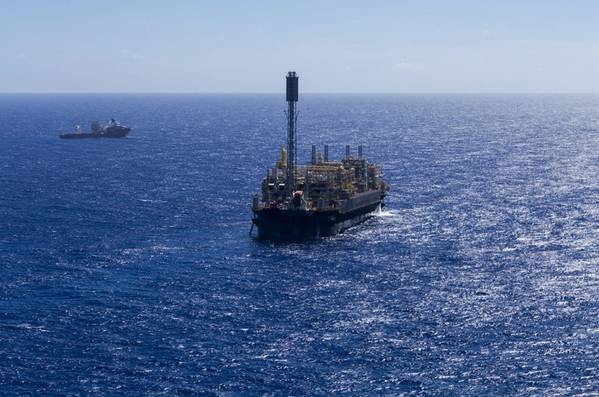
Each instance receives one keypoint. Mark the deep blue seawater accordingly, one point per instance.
(127, 269)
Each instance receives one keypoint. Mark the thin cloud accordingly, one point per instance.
(403, 66)
(131, 55)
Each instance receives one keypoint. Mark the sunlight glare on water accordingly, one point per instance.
(127, 268)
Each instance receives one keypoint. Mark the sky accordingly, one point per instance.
(369, 46)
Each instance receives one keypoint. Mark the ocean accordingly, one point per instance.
(127, 268)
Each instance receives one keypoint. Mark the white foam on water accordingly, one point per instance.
(385, 213)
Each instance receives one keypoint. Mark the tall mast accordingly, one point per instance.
(292, 96)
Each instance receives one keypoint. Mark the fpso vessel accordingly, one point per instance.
(111, 130)
(319, 199)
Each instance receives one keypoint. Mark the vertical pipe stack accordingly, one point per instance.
(292, 97)
(313, 154)
(326, 153)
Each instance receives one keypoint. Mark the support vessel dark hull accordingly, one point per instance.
(111, 132)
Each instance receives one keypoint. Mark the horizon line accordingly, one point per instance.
(305, 93)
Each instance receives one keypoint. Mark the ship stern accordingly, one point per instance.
(289, 225)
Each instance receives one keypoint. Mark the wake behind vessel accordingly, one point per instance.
(319, 199)
(111, 130)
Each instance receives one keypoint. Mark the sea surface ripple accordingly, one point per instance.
(127, 269)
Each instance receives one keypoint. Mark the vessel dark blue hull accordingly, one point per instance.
(110, 132)
(298, 225)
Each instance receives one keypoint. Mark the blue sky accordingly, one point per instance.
(336, 46)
